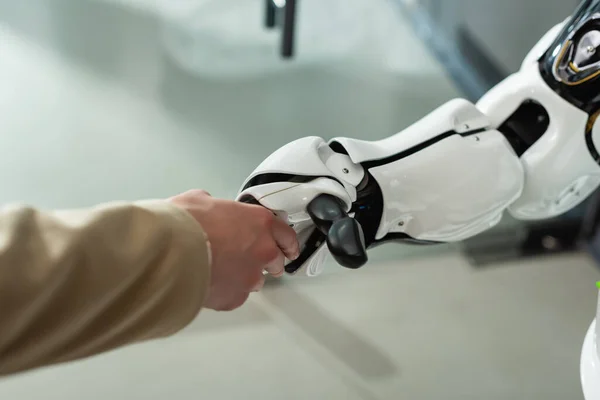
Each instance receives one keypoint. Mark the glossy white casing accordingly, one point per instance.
(447, 191)
(456, 187)
(310, 156)
(543, 44)
(590, 360)
(559, 169)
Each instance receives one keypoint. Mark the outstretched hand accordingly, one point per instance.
(245, 240)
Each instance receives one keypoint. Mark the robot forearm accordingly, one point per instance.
(445, 178)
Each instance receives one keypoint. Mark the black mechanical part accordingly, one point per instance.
(263, 179)
(346, 243)
(312, 244)
(249, 200)
(368, 210)
(588, 137)
(585, 56)
(338, 148)
(368, 207)
(345, 238)
(570, 65)
(525, 126)
(400, 237)
(324, 210)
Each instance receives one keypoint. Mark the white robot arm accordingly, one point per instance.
(530, 146)
(445, 178)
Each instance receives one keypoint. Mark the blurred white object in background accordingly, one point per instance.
(228, 38)
(590, 360)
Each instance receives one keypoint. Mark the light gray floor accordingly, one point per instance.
(93, 108)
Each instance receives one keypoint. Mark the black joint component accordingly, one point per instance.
(346, 242)
(324, 210)
(345, 238)
(249, 200)
(525, 126)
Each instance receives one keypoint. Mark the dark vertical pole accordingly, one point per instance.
(289, 26)
(270, 11)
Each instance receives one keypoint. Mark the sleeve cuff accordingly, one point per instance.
(191, 236)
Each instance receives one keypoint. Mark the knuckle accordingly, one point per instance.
(202, 193)
(289, 238)
(265, 216)
(197, 193)
(268, 253)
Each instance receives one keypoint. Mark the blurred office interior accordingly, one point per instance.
(105, 100)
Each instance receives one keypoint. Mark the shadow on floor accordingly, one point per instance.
(356, 352)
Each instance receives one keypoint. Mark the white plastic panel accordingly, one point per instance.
(300, 157)
(457, 115)
(315, 264)
(559, 169)
(451, 190)
(295, 199)
(590, 363)
(312, 156)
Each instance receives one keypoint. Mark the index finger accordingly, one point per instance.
(286, 239)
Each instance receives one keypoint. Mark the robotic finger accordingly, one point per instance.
(313, 189)
(318, 212)
(345, 237)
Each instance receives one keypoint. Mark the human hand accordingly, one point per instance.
(245, 240)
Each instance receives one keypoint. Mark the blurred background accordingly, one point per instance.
(106, 100)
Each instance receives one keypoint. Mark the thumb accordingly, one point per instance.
(286, 239)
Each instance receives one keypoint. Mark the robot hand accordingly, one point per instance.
(313, 188)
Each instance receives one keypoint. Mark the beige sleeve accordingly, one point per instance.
(77, 283)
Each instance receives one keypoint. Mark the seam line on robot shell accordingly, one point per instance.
(263, 179)
(473, 132)
(419, 147)
(278, 191)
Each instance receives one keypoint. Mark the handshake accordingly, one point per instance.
(245, 239)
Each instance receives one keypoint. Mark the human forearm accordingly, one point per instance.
(77, 283)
